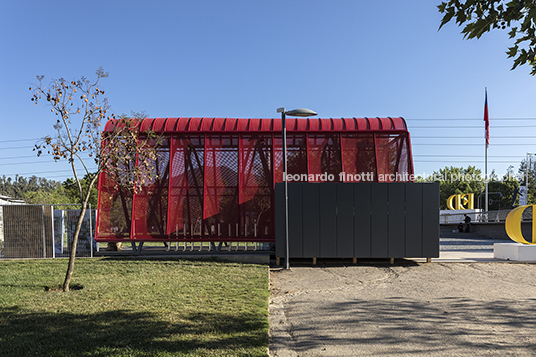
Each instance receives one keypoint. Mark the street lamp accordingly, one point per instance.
(527, 173)
(301, 112)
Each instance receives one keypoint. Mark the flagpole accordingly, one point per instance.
(486, 119)
(486, 177)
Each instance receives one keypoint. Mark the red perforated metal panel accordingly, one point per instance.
(178, 186)
(217, 175)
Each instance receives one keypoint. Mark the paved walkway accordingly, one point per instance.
(475, 308)
(459, 250)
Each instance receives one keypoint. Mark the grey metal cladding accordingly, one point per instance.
(359, 220)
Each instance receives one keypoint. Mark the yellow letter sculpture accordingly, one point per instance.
(513, 225)
(461, 200)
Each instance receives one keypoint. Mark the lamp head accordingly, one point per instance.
(301, 112)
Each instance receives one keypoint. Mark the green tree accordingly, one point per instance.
(72, 192)
(35, 190)
(480, 16)
(80, 107)
(502, 192)
(457, 180)
(47, 197)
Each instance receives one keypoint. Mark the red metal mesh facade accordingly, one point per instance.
(324, 157)
(178, 185)
(217, 175)
(150, 205)
(256, 186)
(115, 209)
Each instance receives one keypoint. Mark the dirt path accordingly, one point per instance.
(435, 309)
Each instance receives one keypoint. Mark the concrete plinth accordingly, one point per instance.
(515, 251)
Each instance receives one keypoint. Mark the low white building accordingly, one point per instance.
(5, 200)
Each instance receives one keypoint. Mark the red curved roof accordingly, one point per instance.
(203, 125)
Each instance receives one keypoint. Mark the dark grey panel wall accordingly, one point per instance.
(414, 220)
(295, 215)
(280, 221)
(380, 216)
(361, 220)
(311, 221)
(345, 220)
(430, 220)
(328, 220)
(397, 220)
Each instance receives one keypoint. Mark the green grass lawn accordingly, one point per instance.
(133, 308)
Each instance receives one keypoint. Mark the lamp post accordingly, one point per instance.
(527, 173)
(301, 112)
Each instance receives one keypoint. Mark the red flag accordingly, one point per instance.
(486, 118)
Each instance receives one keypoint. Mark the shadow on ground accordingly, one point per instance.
(123, 332)
(401, 326)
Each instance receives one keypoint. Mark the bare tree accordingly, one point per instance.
(126, 154)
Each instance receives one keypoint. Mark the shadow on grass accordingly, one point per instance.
(126, 332)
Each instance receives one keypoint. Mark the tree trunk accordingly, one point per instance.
(72, 255)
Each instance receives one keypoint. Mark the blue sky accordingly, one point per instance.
(245, 58)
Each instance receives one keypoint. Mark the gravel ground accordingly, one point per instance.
(408, 309)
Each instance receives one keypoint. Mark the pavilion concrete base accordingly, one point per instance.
(257, 257)
(515, 252)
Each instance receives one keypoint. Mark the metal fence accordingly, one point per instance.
(483, 216)
(39, 231)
